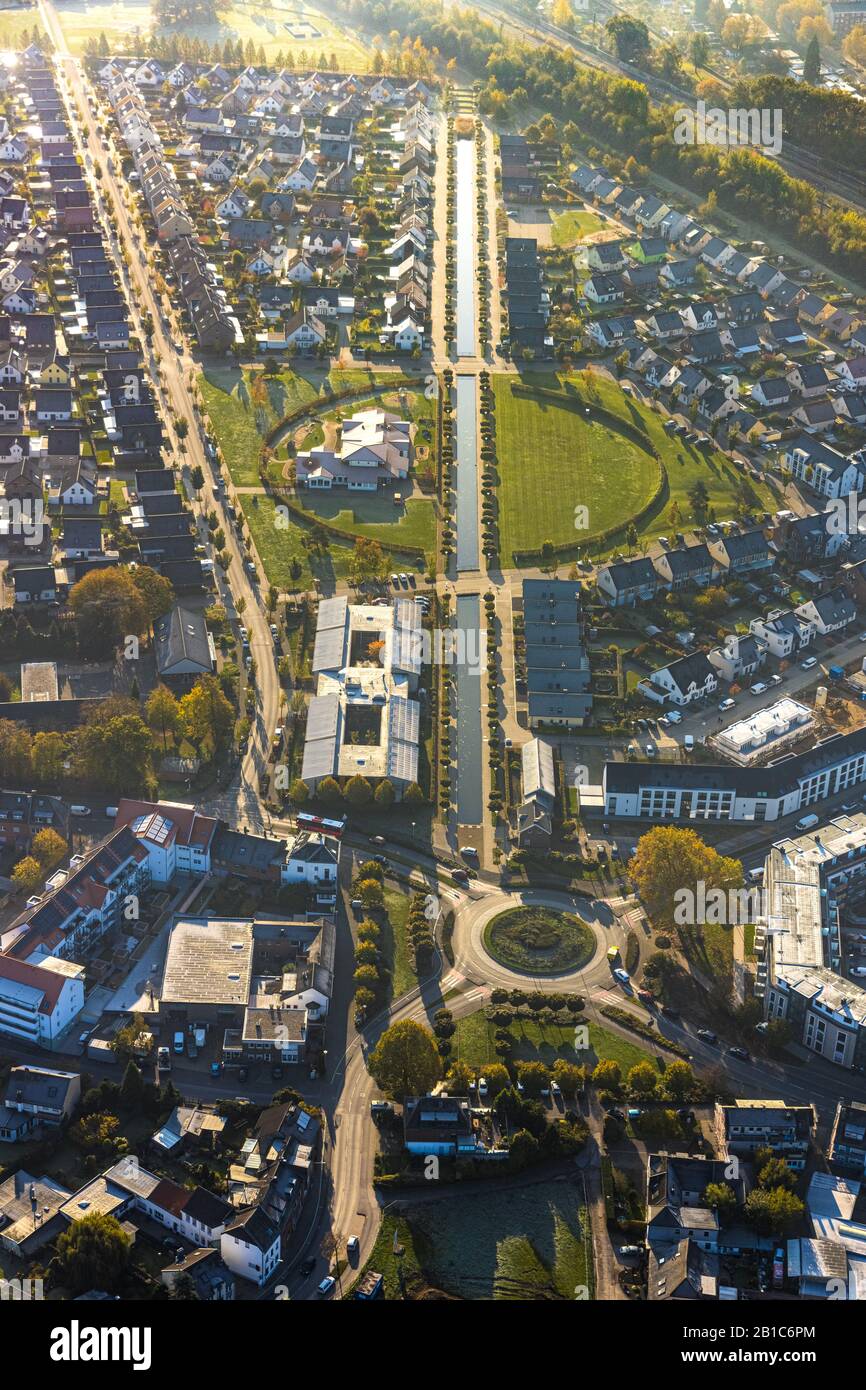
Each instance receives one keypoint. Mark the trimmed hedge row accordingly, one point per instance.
(627, 1020)
(351, 393)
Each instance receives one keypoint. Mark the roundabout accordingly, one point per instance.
(507, 939)
(537, 940)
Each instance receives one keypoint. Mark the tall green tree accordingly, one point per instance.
(92, 1254)
(405, 1062)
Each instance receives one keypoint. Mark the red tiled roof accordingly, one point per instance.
(169, 1196)
(189, 826)
(49, 981)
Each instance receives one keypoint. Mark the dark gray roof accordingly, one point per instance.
(775, 779)
(181, 635)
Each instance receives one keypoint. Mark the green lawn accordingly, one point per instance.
(522, 1244)
(711, 948)
(474, 1043)
(391, 1263)
(552, 460)
(278, 547)
(374, 515)
(239, 424)
(394, 942)
(570, 227)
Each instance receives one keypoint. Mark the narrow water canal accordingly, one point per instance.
(466, 327)
(470, 795)
(466, 473)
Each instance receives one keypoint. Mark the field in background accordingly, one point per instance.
(14, 24)
(291, 27)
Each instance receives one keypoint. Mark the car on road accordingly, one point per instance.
(727, 704)
(630, 1249)
(808, 663)
(378, 839)
(861, 637)
(307, 1266)
(482, 1087)
(277, 1071)
(243, 634)
(380, 859)
(741, 1053)
(163, 1059)
(275, 631)
(758, 688)
(353, 1247)
(326, 1287)
(707, 1036)
(776, 679)
(650, 750)
(556, 1090)
(460, 875)
(243, 1073)
(622, 975)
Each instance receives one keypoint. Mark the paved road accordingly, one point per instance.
(167, 364)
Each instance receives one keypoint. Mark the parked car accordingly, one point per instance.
(808, 663)
(726, 705)
(326, 1287)
(758, 688)
(353, 1246)
(740, 1052)
(707, 1036)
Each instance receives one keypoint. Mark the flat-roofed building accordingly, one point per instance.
(208, 966)
(363, 719)
(39, 681)
(745, 1126)
(762, 734)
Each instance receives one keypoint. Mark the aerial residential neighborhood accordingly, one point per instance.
(433, 664)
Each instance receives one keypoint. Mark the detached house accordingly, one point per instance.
(809, 379)
(783, 634)
(739, 658)
(683, 682)
(828, 613)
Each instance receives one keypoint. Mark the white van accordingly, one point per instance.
(80, 811)
(689, 742)
(805, 822)
(858, 970)
(111, 812)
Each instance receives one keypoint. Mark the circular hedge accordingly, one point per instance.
(538, 941)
